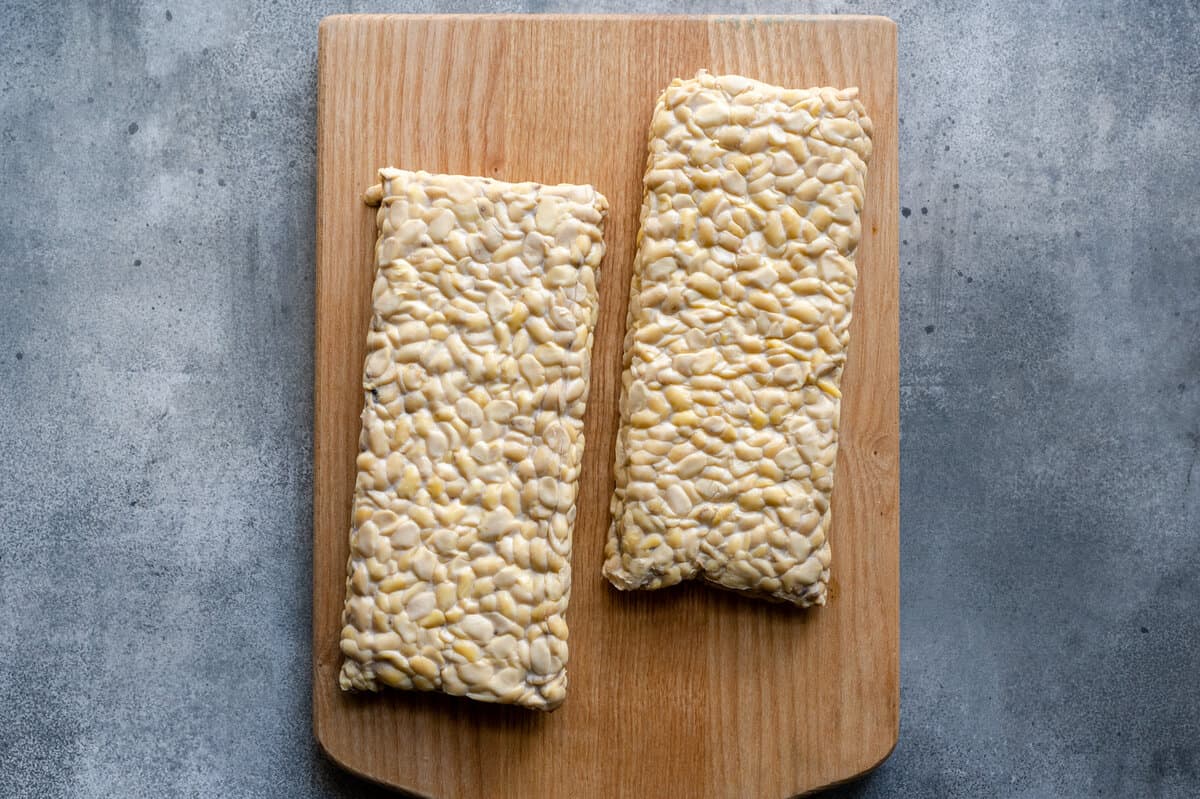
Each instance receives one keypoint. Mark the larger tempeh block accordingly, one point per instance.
(475, 385)
(739, 320)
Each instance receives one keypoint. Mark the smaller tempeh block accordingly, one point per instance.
(739, 321)
(475, 385)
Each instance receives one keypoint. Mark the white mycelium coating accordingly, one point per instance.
(475, 383)
(739, 319)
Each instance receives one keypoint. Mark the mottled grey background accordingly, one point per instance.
(156, 321)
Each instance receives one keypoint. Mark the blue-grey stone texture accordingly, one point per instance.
(157, 180)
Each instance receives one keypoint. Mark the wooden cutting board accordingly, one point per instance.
(687, 692)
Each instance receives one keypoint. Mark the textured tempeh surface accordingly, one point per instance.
(475, 385)
(739, 320)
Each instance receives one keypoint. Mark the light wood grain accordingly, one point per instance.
(687, 692)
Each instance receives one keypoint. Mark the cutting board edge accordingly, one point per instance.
(348, 764)
(332, 20)
(347, 761)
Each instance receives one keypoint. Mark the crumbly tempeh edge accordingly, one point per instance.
(475, 384)
(739, 320)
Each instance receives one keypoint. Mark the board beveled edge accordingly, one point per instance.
(349, 767)
(332, 20)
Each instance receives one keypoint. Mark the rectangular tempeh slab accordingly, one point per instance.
(475, 385)
(739, 319)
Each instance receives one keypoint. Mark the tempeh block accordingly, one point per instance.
(475, 385)
(739, 320)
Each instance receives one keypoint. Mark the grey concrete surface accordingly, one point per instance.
(156, 320)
